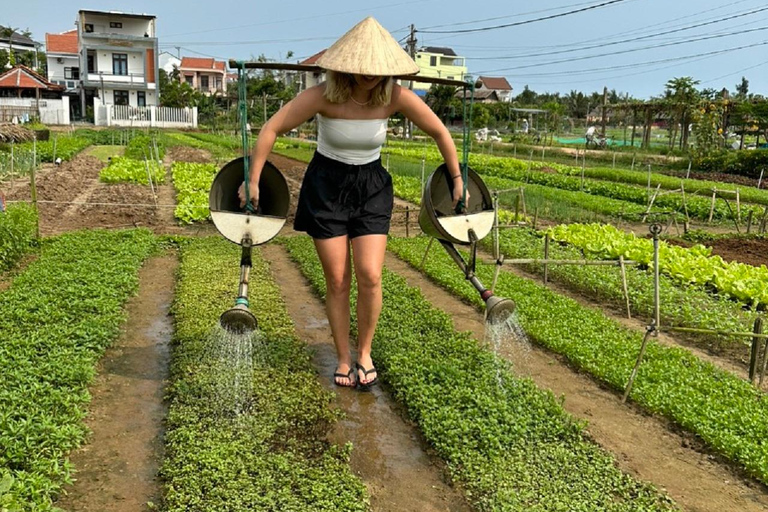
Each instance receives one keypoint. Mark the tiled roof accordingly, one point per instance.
(21, 77)
(497, 83)
(312, 59)
(439, 49)
(201, 63)
(66, 42)
(17, 38)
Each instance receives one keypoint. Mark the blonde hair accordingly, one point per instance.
(338, 89)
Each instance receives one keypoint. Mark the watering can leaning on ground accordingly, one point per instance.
(438, 219)
(247, 228)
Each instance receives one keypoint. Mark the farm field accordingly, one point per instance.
(126, 394)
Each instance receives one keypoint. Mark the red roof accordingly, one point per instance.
(496, 83)
(202, 63)
(21, 77)
(66, 42)
(312, 59)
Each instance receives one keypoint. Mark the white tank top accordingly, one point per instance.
(352, 141)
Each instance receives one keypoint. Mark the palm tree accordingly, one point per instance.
(7, 33)
(682, 96)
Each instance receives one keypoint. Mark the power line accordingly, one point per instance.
(735, 72)
(632, 50)
(518, 23)
(671, 59)
(633, 39)
(508, 16)
(235, 43)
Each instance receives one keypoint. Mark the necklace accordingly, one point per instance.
(358, 103)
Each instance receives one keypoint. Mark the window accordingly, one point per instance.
(70, 85)
(88, 27)
(119, 63)
(189, 79)
(433, 60)
(204, 82)
(141, 98)
(115, 24)
(72, 73)
(218, 83)
(91, 62)
(121, 97)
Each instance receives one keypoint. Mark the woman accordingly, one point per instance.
(346, 197)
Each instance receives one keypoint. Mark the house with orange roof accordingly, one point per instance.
(26, 94)
(206, 75)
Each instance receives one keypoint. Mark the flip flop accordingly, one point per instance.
(367, 385)
(349, 375)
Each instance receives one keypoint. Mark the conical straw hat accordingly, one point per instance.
(368, 49)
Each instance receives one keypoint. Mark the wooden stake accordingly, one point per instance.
(424, 258)
(407, 220)
(755, 350)
(738, 206)
(749, 221)
(650, 204)
(632, 376)
(546, 257)
(624, 284)
(535, 217)
(522, 201)
(688, 172)
(33, 192)
(712, 208)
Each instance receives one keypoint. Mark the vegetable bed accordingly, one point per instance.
(17, 233)
(727, 413)
(274, 455)
(56, 320)
(510, 447)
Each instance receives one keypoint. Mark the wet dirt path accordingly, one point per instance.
(388, 452)
(117, 468)
(645, 447)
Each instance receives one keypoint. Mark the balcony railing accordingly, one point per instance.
(130, 78)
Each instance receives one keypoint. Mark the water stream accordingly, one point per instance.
(232, 358)
(508, 340)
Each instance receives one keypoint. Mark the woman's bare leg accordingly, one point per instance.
(368, 254)
(334, 256)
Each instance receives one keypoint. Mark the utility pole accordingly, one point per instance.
(605, 104)
(412, 52)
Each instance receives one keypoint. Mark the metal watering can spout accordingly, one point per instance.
(247, 229)
(437, 219)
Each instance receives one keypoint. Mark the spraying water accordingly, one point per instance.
(232, 357)
(505, 335)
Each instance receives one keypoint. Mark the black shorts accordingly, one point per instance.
(343, 199)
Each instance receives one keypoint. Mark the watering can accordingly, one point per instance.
(247, 228)
(438, 219)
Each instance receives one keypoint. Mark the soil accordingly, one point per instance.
(117, 469)
(719, 176)
(188, 154)
(753, 251)
(646, 447)
(389, 454)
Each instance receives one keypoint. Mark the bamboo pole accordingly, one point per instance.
(407, 221)
(755, 349)
(712, 207)
(546, 257)
(632, 376)
(650, 204)
(694, 330)
(624, 284)
(424, 258)
(587, 263)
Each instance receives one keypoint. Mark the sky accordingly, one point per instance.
(632, 46)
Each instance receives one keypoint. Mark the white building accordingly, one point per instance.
(168, 61)
(20, 43)
(63, 58)
(118, 59)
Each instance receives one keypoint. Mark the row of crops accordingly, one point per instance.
(56, 319)
(506, 443)
(17, 233)
(273, 455)
(726, 412)
(696, 265)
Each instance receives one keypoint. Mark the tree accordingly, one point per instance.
(7, 33)
(174, 93)
(681, 96)
(742, 89)
(527, 97)
(443, 102)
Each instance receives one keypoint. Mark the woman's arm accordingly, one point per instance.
(298, 110)
(422, 116)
